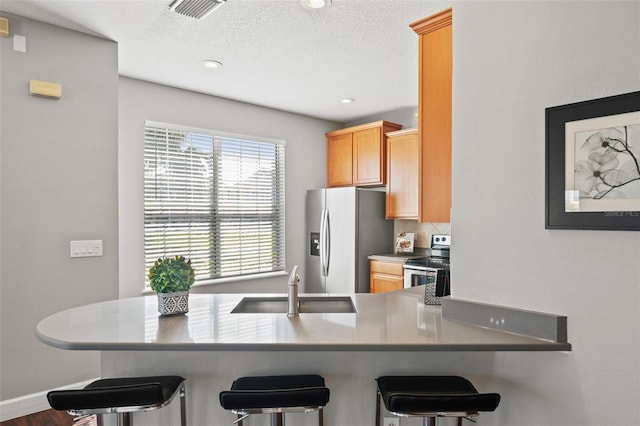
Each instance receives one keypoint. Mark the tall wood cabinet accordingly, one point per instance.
(356, 156)
(402, 174)
(434, 115)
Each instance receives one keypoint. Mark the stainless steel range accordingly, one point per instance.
(431, 271)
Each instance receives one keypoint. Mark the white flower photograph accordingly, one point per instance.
(603, 163)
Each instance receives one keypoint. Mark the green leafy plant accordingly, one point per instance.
(171, 274)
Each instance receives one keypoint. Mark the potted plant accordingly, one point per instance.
(171, 278)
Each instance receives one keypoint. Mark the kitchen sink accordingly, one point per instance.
(307, 305)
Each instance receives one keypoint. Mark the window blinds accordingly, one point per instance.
(217, 199)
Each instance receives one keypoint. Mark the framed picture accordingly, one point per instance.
(593, 164)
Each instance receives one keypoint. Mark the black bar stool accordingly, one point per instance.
(122, 396)
(276, 395)
(431, 397)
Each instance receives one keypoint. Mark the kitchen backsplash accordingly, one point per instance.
(423, 231)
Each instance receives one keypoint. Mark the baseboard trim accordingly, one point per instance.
(32, 403)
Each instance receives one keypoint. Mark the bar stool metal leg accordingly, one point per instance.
(321, 417)
(183, 406)
(377, 409)
(124, 419)
(277, 419)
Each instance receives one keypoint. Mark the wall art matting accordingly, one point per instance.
(593, 164)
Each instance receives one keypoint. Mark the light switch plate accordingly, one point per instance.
(86, 248)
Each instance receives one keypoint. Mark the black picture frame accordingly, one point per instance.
(556, 119)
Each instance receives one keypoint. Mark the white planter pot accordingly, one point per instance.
(173, 303)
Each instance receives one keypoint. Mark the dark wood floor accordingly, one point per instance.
(49, 418)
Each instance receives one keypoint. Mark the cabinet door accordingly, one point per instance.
(368, 157)
(381, 283)
(339, 160)
(402, 175)
(385, 276)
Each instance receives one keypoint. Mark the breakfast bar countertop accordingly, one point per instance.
(395, 321)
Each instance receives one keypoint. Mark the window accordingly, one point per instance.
(216, 198)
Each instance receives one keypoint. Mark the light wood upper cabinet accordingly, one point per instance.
(356, 156)
(434, 115)
(339, 160)
(368, 156)
(402, 174)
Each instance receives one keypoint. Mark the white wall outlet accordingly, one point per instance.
(86, 248)
(391, 421)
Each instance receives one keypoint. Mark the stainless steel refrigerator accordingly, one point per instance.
(344, 226)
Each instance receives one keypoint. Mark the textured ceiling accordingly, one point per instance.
(276, 53)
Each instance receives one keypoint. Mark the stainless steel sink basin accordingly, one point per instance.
(307, 305)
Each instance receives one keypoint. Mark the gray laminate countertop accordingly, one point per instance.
(395, 321)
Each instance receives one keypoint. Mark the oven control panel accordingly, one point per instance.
(440, 240)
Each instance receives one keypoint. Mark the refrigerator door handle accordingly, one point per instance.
(324, 242)
(327, 246)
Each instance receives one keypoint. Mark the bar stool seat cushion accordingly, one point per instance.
(433, 394)
(119, 392)
(246, 393)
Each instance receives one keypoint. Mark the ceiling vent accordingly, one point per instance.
(198, 9)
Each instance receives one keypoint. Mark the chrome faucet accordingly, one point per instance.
(292, 297)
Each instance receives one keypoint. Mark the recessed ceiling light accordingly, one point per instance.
(210, 63)
(315, 4)
(348, 100)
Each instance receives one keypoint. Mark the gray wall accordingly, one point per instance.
(58, 183)
(304, 156)
(511, 61)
